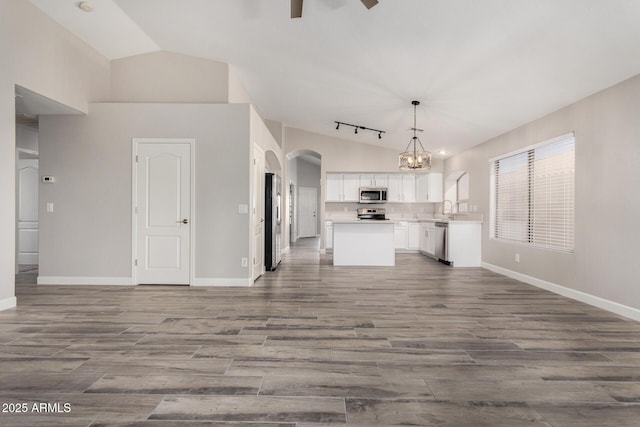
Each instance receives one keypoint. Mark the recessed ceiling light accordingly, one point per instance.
(85, 6)
(443, 152)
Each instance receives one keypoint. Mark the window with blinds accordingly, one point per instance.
(533, 195)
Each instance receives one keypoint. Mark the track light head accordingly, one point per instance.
(356, 131)
(380, 135)
(338, 127)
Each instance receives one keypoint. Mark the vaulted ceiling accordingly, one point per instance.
(480, 68)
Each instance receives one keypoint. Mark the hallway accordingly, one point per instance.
(310, 344)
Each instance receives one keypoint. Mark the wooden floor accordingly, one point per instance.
(311, 345)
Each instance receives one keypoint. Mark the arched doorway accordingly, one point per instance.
(304, 196)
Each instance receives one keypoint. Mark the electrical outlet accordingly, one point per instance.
(49, 207)
(517, 257)
(244, 262)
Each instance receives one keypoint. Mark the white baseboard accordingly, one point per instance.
(207, 281)
(8, 303)
(77, 280)
(613, 307)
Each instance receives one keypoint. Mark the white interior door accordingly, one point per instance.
(307, 212)
(164, 213)
(258, 212)
(28, 211)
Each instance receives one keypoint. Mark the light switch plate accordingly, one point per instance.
(243, 209)
(49, 207)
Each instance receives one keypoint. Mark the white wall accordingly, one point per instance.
(169, 77)
(39, 55)
(277, 129)
(605, 263)
(237, 94)
(89, 233)
(27, 137)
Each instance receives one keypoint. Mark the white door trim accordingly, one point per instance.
(255, 212)
(134, 199)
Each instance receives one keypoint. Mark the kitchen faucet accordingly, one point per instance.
(444, 205)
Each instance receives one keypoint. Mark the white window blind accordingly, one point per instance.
(533, 195)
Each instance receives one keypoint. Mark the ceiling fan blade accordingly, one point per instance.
(369, 3)
(296, 9)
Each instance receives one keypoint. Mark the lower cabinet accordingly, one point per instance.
(465, 244)
(427, 238)
(328, 235)
(400, 235)
(406, 236)
(413, 241)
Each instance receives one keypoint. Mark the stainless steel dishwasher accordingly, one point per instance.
(442, 242)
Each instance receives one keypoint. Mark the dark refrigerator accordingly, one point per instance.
(272, 221)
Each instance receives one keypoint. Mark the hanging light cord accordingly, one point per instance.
(414, 129)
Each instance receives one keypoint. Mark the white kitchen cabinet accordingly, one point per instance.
(333, 189)
(429, 187)
(431, 240)
(342, 187)
(394, 189)
(406, 236)
(427, 242)
(351, 187)
(367, 180)
(413, 236)
(374, 180)
(400, 235)
(465, 240)
(408, 188)
(328, 235)
(402, 188)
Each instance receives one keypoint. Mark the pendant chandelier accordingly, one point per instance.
(415, 156)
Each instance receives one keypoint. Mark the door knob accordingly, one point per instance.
(184, 221)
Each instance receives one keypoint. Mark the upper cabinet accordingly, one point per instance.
(342, 187)
(374, 180)
(402, 187)
(429, 187)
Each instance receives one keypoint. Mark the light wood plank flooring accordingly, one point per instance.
(311, 345)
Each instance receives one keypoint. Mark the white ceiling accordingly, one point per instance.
(480, 68)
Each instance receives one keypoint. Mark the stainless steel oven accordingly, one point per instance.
(373, 195)
(371, 214)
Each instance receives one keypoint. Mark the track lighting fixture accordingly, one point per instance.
(356, 127)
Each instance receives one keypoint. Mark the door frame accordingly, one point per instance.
(257, 192)
(134, 198)
(35, 153)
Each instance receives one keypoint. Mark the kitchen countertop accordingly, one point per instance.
(394, 221)
(469, 218)
(467, 221)
(362, 221)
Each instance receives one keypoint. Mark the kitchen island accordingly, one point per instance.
(363, 243)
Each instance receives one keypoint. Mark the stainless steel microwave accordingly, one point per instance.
(373, 195)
